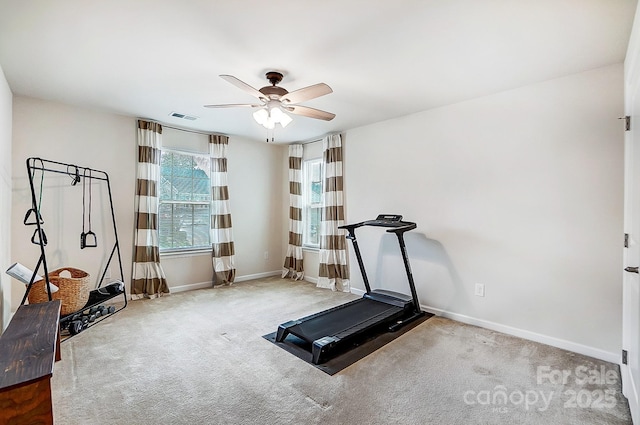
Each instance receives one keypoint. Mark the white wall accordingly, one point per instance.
(107, 142)
(6, 107)
(255, 192)
(521, 191)
(254, 176)
(87, 138)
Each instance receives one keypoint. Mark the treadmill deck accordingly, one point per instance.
(344, 320)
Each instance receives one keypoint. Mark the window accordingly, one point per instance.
(185, 197)
(311, 202)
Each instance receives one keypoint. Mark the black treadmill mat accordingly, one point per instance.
(343, 318)
(302, 349)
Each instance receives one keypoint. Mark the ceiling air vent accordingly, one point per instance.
(183, 116)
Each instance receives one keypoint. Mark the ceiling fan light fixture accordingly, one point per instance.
(275, 113)
(269, 124)
(261, 116)
(269, 116)
(285, 120)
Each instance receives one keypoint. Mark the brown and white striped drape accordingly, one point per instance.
(333, 272)
(224, 271)
(148, 280)
(293, 267)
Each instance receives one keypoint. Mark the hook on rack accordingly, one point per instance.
(32, 221)
(75, 176)
(88, 238)
(39, 237)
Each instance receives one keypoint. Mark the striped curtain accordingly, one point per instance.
(293, 261)
(148, 280)
(333, 272)
(224, 272)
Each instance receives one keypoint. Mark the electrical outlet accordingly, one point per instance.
(479, 290)
(266, 255)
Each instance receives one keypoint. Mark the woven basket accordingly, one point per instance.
(73, 291)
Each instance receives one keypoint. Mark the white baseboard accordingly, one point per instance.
(531, 336)
(630, 391)
(313, 280)
(190, 287)
(258, 275)
(207, 284)
(356, 291)
(521, 333)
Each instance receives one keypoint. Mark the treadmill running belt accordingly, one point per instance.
(349, 316)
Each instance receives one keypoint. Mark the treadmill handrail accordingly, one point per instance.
(407, 225)
(351, 226)
(395, 226)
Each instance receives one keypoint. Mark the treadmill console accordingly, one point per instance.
(385, 220)
(389, 217)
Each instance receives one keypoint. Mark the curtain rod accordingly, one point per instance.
(184, 129)
(180, 129)
(310, 141)
(317, 140)
(207, 134)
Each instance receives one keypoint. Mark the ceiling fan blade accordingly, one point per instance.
(307, 93)
(310, 112)
(233, 105)
(243, 86)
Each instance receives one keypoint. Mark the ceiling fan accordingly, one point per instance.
(275, 101)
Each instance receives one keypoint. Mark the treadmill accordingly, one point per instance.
(340, 328)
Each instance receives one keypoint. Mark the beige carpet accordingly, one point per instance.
(199, 358)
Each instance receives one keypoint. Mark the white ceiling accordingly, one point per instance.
(383, 59)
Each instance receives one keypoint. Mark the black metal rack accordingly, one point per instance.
(85, 317)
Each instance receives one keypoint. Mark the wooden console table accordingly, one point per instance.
(28, 349)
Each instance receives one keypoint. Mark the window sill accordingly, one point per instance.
(311, 248)
(185, 253)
